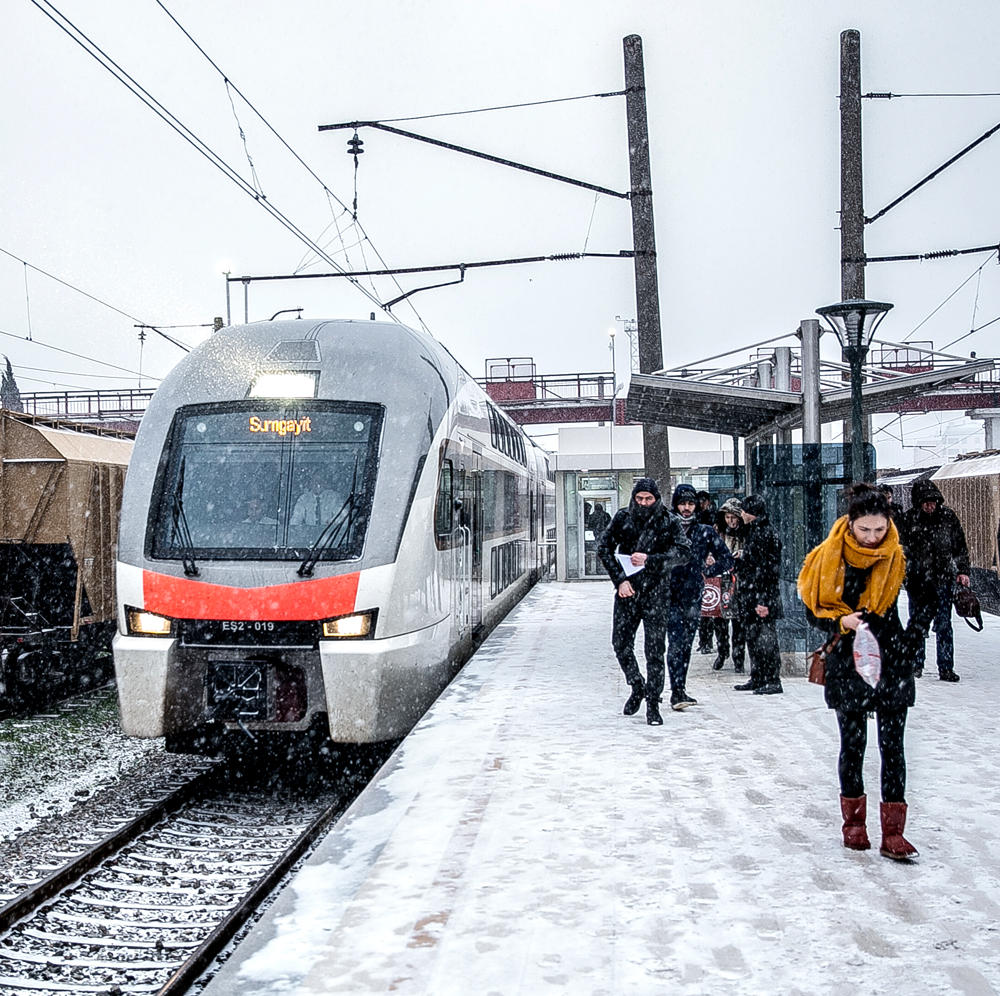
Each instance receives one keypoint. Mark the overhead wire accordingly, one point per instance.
(320, 252)
(503, 107)
(68, 352)
(90, 376)
(130, 83)
(916, 328)
(96, 300)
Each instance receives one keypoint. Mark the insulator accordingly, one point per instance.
(354, 146)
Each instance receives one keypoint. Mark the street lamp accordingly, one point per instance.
(614, 391)
(854, 323)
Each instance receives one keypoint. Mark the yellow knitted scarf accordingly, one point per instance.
(821, 580)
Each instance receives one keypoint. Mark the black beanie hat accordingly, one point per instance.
(683, 492)
(754, 505)
(646, 484)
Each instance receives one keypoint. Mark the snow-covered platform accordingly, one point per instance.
(528, 839)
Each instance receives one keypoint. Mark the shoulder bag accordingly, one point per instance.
(817, 660)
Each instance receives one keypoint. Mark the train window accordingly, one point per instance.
(445, 500)
(266, 481)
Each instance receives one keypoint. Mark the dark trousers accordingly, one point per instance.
(722, 639)
(941, 599)
(854, 739)
(681, 629)
(705, 631)
(762, 647)
(651, 610)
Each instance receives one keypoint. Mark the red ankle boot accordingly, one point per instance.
(894, 844)
(855, 812)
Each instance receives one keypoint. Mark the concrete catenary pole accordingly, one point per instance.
(852, 212)
(852, 201)
(656, 444)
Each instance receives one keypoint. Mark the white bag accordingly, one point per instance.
(867, 656)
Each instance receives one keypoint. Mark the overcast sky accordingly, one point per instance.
(744, 132)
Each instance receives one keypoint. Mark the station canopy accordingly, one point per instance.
(741, 401)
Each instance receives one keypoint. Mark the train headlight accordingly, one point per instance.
(142, 623)
(359, 626)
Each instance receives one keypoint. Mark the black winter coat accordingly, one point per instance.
(758, 571)
(845, 689)
(688, 580)
(661, 538)
(935, 547)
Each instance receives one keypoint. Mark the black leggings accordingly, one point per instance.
(854, 739)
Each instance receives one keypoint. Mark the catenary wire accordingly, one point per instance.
(103, 59)
(503, 107)
(68, 352)
(90, 376)
(96, 300)
(916, 328)
(267, 124)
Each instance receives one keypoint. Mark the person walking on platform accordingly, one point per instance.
(758, 598)
(854, 577)
(705, 514)
(638, 549)
(709, 557)
(936, 558)
(729, 525)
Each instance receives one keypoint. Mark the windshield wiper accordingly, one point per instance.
(181, 528)
(337, 529)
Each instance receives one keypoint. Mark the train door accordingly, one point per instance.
(475, 481)
(595, 510)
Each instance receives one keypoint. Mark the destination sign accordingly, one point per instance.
(281, 426)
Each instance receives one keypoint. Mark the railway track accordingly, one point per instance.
(148, 908)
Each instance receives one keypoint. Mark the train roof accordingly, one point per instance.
(227, 364)
(973, 465)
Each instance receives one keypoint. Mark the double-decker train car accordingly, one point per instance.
(321, 522)
(60, 490)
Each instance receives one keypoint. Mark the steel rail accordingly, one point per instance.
(194, 966)
(32, 899)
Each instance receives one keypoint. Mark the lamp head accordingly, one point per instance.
(854, 321)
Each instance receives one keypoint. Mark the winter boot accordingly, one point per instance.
(894, 844)
(633, 702)
(680, 700)
(854, 812)
(718, 663)
(948, 676)
(653, 717)
(738, 666)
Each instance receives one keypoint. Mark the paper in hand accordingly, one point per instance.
(625, 559)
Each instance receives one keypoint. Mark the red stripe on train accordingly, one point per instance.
(182, 598)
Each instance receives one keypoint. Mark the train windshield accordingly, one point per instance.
(279, 482)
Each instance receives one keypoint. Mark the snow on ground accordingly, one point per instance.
(49, 764)
(529, 839)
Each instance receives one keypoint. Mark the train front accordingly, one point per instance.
(268, 497)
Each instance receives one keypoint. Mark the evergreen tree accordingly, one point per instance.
(10, 396)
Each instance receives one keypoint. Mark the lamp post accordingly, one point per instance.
(614, 392)
(854, 323)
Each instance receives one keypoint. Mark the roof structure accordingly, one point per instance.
(743, 401)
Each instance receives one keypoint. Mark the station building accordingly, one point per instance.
(596, 467)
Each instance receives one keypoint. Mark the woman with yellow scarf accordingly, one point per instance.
(854, 577)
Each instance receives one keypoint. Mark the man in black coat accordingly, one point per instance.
(638, 550)
(758, 599)
(705, 512)
(936, 558)
(709, 557)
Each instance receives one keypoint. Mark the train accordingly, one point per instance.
(60, 492)
(321, 522)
